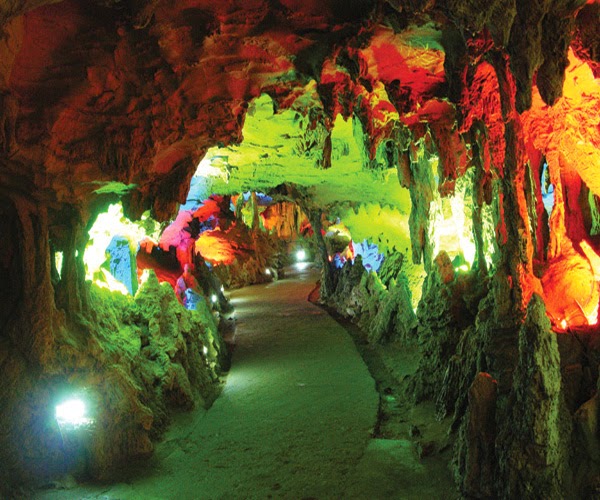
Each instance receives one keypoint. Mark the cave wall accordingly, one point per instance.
(134, 94)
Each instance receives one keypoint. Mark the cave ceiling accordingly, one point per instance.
(105, 99)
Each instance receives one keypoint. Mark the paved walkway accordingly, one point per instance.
(293, 421)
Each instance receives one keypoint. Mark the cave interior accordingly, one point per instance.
(438, 163)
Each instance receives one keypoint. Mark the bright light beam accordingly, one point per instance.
(301, 255)
(72, 413)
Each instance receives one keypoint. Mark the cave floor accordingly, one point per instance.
(295, 419)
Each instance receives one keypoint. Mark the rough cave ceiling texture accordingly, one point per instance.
(137, 91)
(103, 100)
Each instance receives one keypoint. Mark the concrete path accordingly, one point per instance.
(293, 421)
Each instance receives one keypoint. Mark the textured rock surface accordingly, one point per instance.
(112, 100)
(385, 313)
(534, 441)
(137, 93)
(134, 361)
(442, 315)
(477, 460)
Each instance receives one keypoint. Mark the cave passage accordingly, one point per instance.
(293, 420)
(438, 165)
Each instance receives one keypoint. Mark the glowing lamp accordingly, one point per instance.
(301, 255)
(72, 413)
(268, 272)
(214, 298)
(58, 261)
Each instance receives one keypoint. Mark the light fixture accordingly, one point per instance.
(58, 262)
(72, 413)
(301, 255)
(214, 298)
(268, 271)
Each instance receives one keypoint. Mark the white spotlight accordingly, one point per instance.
(301, 255)
(72, 412)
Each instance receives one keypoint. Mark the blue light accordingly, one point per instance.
(547, 192)
(263, 199)
(338, 261)
(199, 191)
(191, 299)
(122, 263)
(371, 258)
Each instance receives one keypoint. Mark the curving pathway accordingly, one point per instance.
(293, 421)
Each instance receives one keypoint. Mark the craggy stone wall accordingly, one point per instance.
(133, 360)
(134, 93)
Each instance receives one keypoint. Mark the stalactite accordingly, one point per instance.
(479, 198)
(517, 253)
(32, 324)
(71, 291)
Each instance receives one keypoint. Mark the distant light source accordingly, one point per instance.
(222, 289)
(214, 298)
(268, 271)
(72, 413)
(301, 255)
(205, 350)
(58, 261)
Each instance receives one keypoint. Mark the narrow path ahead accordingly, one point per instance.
(294, 418)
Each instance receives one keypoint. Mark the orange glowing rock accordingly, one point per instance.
(571, 290)
(568, 131)
(217, 248)
(285, 219)
(592, 257)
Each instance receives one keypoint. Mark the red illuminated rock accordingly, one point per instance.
(571, 290)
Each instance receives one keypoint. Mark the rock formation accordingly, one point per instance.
(476, 126)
